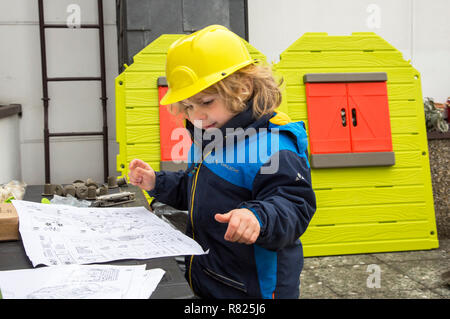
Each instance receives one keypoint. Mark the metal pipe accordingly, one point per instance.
(44, 90)
(75, 134)
(86, 78)
(65, 26)
(103, 82)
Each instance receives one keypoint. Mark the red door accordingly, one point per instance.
(174, 147)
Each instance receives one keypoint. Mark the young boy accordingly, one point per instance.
(248, 191)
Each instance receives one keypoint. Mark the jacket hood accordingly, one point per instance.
(244, 119)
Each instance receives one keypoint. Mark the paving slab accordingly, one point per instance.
(337, 261)
(312, 288)
(412, 255)
(402, 275)
(355, 281)
(444, 292)
(398, 294)
(426, 272)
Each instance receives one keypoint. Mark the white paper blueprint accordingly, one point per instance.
(80, 282)
(63, 235)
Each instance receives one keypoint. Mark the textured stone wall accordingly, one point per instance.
(439, 151)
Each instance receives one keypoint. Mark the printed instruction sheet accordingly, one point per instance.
(63, 235)
(80, 282)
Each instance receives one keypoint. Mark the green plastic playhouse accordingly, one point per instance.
(366, 207)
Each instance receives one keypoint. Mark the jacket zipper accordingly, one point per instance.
(193, 187)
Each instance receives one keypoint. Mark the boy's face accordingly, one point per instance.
(207, 111)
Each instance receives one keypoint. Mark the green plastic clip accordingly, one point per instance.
(9, 199)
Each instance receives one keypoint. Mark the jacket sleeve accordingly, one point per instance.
(284, 201)
(171, 188)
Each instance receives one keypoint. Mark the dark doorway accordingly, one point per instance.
(139, 22)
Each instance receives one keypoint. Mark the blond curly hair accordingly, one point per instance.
(255, 81)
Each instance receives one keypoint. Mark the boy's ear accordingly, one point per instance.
(246, 89)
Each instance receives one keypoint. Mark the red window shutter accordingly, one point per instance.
(369, 117)
(328, 121)
(348, 119)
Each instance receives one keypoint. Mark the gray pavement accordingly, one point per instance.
(394, 275)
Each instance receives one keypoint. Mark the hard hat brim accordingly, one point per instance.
(173, 96)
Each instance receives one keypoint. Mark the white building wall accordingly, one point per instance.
(10, 149)
(418, 28)
(74, 106)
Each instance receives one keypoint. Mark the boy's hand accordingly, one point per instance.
(243, 227)
(141, 174)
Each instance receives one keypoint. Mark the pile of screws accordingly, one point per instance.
(88, 189)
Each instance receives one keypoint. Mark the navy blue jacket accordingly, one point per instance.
(242, 172)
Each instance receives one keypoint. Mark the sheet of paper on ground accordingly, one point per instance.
(63, 235)
(80, 282)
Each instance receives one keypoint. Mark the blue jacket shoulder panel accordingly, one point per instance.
(241, 161)
(296, 130)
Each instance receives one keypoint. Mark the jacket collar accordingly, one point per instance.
(244, 120)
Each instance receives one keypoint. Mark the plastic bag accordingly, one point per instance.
(14, 189)
(70, 200)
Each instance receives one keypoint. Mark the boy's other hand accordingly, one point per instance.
(141, 174)
(243, 226)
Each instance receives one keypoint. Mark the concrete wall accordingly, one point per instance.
(74, 106)
(418, 28)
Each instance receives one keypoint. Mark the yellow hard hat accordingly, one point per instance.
(197, 61)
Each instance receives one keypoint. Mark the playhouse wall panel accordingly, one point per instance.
(366, 209)
(349, 59)
(361, 176)
(405, 125)
(406, 142)
(356, 42)
(142, 133)
(155, 62)
(370, 214)
(394, 74)
(371, 231)
(369, 196)
(298, 111)
(141, 80)
(361, 209)
(142, 151)
(142, 116)
(139, 97)
(356, 247)
(401, 108)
